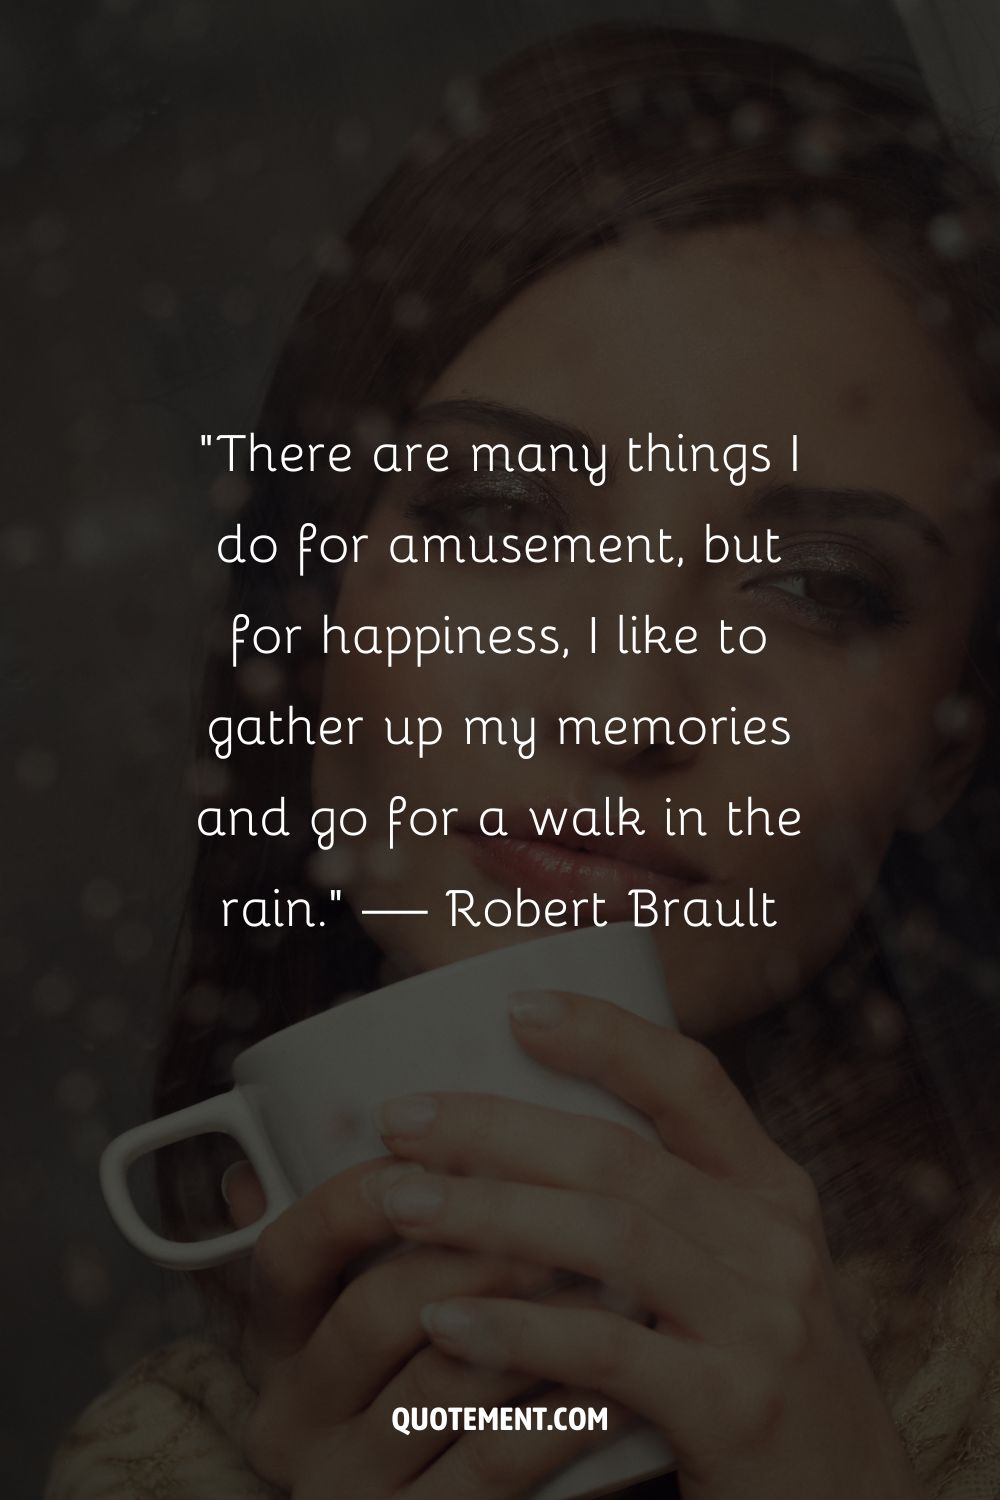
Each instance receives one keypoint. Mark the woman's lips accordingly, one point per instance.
(542, 869)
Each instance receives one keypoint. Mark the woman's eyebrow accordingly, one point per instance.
(772, 504)
(518, 421)
(792, 500)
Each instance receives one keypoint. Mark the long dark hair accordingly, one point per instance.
(575, 145)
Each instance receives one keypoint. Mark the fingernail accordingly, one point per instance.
(411, 1114)
(376, 1184)
(225, 1186)
(447, 1320)
(412, 1202)
(537, 1007)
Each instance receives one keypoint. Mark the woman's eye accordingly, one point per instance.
(829, 590)
(839, 599)
(495, 517)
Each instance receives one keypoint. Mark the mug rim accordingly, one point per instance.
(387, 991)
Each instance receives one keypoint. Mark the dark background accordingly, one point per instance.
(172, 175)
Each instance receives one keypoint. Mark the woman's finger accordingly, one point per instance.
(669, 1381)
(621, 1246)
(433, 1379)
(498, 1465)
(300, 1258)
(373, 1328)
(679, 1084)
(371, 1456)
(485, 1135)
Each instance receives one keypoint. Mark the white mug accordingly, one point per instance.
(302, 1103)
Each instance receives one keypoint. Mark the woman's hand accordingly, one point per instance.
(746, 1363)
(330, 1361)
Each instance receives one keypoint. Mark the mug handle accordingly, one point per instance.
(228, 1114)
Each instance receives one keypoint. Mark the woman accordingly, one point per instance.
(635, 232)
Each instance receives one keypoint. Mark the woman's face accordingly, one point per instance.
(732, 335)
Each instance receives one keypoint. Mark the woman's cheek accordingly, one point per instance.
(857, 740)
